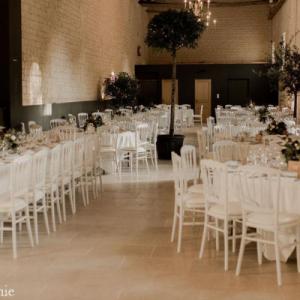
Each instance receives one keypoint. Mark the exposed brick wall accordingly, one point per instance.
(68, 46)
(287, 20)
(242, 35)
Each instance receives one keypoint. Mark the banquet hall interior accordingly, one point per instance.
(150, 149)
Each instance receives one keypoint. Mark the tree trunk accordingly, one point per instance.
(295, 105)
(172, 119)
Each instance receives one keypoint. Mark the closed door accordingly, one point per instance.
(203, 97)
(166, 91)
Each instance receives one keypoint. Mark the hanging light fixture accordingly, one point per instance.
(201, 8)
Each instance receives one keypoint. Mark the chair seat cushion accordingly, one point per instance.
(133, 149)
(7, 206)
(107, 149)
(264, 220)
(218, 210)
(193, 200)
(196, 188)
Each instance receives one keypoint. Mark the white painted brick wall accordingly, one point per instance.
(68, 46)
(242, 35)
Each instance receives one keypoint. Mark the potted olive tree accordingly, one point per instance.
(170, 31)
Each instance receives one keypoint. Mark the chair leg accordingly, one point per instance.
(14, 234)
(71, 199)
(35, 223)
(259, 252)
(233, 236)
(217, 236)
(137, 165)
(174, 224)
(277, 256)
(58, 206)
(87, 190)
(29, 226)
(226, 245)
(155, 158)
(147, 165)
(45, 215)
(181, 217)
(74, 194)
(82, 190)
(204, 236)
(53, 212)
(63, 200)
(1, 232)
(242, 250)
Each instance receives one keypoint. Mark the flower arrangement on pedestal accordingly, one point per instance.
(122, 87)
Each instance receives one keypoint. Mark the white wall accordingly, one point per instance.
(68, 46)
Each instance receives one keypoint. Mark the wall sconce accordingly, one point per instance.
(47, 110)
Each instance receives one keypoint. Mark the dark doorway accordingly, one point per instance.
(4, 62)
(238, 91)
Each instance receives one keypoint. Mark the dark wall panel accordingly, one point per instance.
(17, 112)
(223, 78)
(4, 62)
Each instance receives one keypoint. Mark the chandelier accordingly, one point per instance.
(201, 8)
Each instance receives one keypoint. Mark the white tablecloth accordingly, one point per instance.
(289, 203)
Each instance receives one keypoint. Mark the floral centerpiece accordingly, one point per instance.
(263, 114)
(291, 150)
(276, 128)
(11, 139)
(92, 122)
(291, 153)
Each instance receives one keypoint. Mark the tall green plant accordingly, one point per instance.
(170, 31)
(122, 87)
(284, 70)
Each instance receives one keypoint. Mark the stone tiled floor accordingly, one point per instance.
(119, 248)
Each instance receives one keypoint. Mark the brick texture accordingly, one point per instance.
(242, 35)
(287, 20)
(69, 46)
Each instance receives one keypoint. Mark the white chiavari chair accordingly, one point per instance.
(218, 207)
(14, 204)
(57, 122)
(191, 169)
(225, 151)
(82, 117)
(78, 180)
(67, 133)
(151, 148)
(260, 197)
(202, 144)
(53, 182)
(67, 151)
(185, 203)
(108, 137)
(38, 187)
(89, 164)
